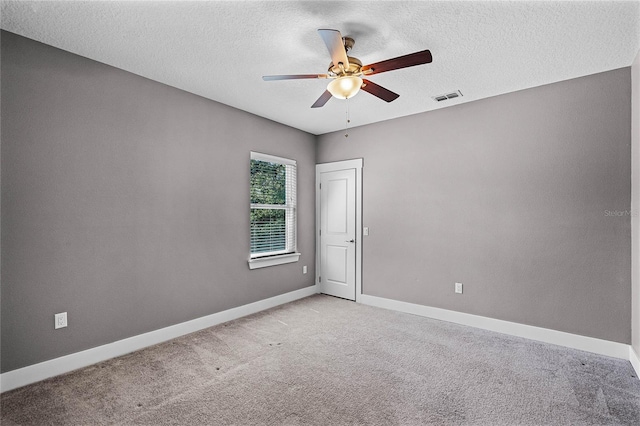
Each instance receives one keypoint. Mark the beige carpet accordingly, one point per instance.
(326, 361)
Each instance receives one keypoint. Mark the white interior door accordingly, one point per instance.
(338, 225)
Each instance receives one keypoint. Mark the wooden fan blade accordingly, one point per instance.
(333, 40)
(292, 77)
(379, 91)
(322, 99)
(405, 61)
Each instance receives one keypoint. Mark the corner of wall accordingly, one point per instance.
(635, 204)
(0, 190)
(635, 360)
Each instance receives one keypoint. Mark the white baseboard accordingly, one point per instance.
(44, 370)
(589, 344)
(635, 360)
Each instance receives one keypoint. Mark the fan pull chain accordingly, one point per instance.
(346, 126)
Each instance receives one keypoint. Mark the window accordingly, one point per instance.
(273, 211)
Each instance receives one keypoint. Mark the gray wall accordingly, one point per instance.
(0, 202)
(635, 204)
(508, 195)
(125, 203)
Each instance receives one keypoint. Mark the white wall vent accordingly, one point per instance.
(451, 95)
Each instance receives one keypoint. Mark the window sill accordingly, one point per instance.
(263, 262)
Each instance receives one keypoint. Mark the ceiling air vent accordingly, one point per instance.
(451, 95)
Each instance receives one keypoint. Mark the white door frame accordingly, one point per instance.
(356, 164)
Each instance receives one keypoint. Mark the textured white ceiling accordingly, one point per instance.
(220, 50)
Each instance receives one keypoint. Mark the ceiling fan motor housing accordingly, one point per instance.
(352, 69)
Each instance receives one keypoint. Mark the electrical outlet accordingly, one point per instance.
(458, 288)
(60, 320)
(304, 269)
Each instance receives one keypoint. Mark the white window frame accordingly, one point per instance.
(290, 254)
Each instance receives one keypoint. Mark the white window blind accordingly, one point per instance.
(273, 206)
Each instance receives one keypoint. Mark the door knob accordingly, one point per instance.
(350, 241)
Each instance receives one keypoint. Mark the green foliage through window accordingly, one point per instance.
(272, 207)
(268, 182)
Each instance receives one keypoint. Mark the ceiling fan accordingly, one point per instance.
(346, 72)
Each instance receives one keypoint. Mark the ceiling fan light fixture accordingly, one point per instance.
(345, 87)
